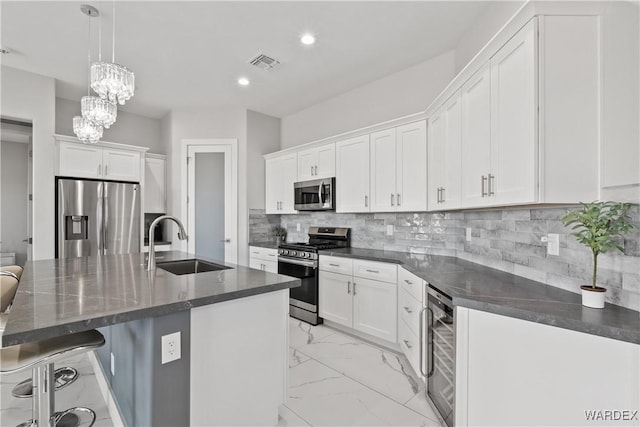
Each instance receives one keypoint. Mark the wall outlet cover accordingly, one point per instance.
(468, 234)
(389, 230)
(171, 347)
(298, 227)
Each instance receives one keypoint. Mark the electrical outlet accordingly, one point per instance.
(113, 365)
(298, 227)
(170, 347)
(389, 230)
(468, 236)
(553, 244)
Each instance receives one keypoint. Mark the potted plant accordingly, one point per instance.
(599, 226)
(279, 233)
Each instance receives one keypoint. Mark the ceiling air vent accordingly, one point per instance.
(264, 62)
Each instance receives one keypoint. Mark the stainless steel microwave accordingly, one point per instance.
(315, 195)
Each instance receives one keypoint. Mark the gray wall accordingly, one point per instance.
(508, 240)
(15, 190)
(399, 94)
(209, 205)
(132, 129)
(263, 137)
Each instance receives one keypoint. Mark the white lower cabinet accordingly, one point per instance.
(356, 302)
(264, 259)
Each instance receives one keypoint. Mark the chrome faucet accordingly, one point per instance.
(182, 235)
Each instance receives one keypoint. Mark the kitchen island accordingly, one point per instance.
(232, 328)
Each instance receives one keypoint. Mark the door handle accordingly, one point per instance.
(106, 170)
(438, 195)
(421, 340)
(408, 310)
(349, 287)
(316, 170)
(398, 199)
(366, 201)
(483, 180)
(354, 288)
(227, 241)
(311, 170)
(99, 169)
(490, 185)
(408, 282)
(373, 271)
(391, 199)
(442, 194)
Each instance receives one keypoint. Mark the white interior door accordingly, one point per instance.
(212, 204)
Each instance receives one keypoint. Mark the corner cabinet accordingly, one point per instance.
(352, 175)
(155, 183)
(280, 174)
(104, 160)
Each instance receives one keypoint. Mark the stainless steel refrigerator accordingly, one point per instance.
(96, 218)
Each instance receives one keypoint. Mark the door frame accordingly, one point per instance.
(228, 146)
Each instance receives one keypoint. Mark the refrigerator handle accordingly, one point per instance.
(105, 212)
(99, 218)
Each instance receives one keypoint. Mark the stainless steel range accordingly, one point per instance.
(301, 260)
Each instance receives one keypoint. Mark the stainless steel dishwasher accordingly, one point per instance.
(441, 345)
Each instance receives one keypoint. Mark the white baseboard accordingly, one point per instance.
(105, 389)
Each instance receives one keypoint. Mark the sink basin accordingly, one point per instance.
(190, 266)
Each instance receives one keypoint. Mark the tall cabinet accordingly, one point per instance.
(445, 156)
(155, 183)
(280, 174)
(352, 175)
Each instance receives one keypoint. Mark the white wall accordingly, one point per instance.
(486, 26)
(132, 129)
(31, 98)
(14, 185)
(203, 124)
(263, 137)
(405, 92)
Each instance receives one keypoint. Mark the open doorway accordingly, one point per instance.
(212, 201)
(15, 192)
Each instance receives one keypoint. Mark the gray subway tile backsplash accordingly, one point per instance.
(507, 239)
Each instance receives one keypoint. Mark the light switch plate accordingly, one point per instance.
(553, 244)
(389, 230)
(468, 236)
(171, 347)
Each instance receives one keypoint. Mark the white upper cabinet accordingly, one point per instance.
(445, 156)
(77, 160)
(317, 162)
(352, 175)
(280, 174)
(399, 169)
(155, 183)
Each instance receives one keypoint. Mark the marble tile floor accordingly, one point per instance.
(83, 392)
(338, 380)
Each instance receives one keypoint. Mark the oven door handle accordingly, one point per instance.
(312, 264)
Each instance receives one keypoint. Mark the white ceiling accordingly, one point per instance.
(189, 54)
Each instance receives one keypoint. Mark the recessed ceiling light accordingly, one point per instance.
(308, 39)
(243, 81)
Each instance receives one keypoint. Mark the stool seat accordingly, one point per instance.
(28, 355)
(8, 289)
(15, 269)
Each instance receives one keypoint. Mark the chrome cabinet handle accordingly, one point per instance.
(373, 271)
(490, 185)
(311, 170)
(99, 169)
(106, 170)
(408, 310)
(408, 282)
(398, 199)
(438, 196)
(406, 342)
(349, 287)
(391, 199)
(354, 288)
(334, 265)
(421, 340)
(316, 170)
(226, 240)
(255, 253)
(442, 194)
(366, 201)
(483, 180)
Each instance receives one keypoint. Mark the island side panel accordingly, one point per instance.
(239, 360)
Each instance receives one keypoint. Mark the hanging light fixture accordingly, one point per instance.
(86, 129)
(113, 82)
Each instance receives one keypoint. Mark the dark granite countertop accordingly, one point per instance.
(62, 296)
(482, 288)
(268, 245)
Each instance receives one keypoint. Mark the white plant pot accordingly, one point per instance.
(593, 298)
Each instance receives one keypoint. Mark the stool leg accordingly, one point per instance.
(44, 397)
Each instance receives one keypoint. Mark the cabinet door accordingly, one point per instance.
(375, 308)
(514, 150)
(270, 266)
(79, 160)
(120, 165)
(273, 186)
(411, 169)
(335, 300)
(437, 156)
(289, 165)
(256, 263)
(450, 195)
(383, 171)
(155, 185)
(326, 161)
(352, 175)
(307, 164)
(476, 138)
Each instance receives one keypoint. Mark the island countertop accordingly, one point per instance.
(61, 296)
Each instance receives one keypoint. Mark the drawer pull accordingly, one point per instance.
(373, 271)
(406, 342)
(408, 310)
(255, 253)
(334, 265)
(408, 282)
(349, 287)
(271, 254)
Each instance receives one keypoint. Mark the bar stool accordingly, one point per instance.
(40, 356)
(63, 376)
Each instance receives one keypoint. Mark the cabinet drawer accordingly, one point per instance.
(266, 254)
(336, 264)
(410, 345)
(409, 310)
(381, 271)
(411, 283)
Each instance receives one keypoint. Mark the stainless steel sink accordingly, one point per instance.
(190, 266)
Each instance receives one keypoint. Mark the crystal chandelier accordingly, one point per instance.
(98, 110)
(86, 130)
(113, 82)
